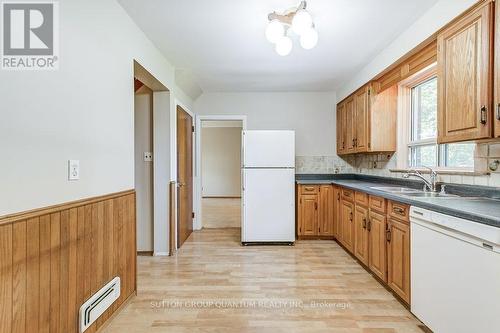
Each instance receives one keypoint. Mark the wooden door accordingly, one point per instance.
(347, 216)
(377, 245)
(361, 233)
(308, 221)
(464, 78)
(348, 125)
(398, 257)
(496, 98)
(361, 119)
(341, 133)
(336, 218)
(326, 210)
(184, 176)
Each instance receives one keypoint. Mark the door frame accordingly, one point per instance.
(197, 223)
(174, 162)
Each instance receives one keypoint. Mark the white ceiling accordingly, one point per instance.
(222, 43)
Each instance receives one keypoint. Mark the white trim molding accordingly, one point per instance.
(197, 224)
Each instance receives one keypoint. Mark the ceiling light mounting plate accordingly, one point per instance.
(287, 17)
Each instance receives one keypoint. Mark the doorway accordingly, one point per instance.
(219, 188)
(151, 156)
(185, 212)
(143, 162)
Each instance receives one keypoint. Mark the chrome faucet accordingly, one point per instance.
(431, 185)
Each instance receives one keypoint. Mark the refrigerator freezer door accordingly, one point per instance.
(268, 205)
(268, 149)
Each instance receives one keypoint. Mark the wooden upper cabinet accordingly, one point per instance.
(341, 128)
(326, 210)
(382, 119)
(496, 90)
(366, 120)
(348, 125)
(465, 77)
(361, 107)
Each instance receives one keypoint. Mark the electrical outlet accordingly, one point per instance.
(73, 169)
(148, 157)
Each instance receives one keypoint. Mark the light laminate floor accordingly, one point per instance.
(214, 284)
(221, 212)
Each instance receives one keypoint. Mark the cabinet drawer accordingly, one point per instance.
(398, 210)
(348, 194)
(309, 189)
(377, 203)
(361, 198)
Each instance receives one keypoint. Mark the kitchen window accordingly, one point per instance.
(423, 149)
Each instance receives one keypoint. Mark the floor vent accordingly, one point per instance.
(95, 306)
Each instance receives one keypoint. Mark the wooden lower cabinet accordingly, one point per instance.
(375, 230)
(361, 233)
(316, 211)
(377, 245)
(337, 225)
(347, 221)
(308, 214)
(398, 257)
(326, 210)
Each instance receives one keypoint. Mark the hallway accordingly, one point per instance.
(214, 284)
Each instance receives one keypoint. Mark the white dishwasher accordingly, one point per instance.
(455, 273)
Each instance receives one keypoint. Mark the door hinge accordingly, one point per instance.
(192, 215)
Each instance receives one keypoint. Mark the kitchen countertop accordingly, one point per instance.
(480, 209)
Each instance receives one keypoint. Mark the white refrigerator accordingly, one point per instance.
(268, 179)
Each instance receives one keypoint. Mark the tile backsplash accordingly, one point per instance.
(381, 164)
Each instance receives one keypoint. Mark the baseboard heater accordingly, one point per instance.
(95, 306)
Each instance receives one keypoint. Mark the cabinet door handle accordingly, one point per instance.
(484, 115)
(316, 206)
(388, 235)
(350, 218)
(398, 210)
(498, 111)
(364, 222)
(369, 225)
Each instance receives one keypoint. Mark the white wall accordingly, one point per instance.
(310, 114)
(84, 111)
(221, 161)
(144, 170)
(434, 19)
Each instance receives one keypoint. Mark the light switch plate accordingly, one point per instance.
(73, 169)
(148, 156)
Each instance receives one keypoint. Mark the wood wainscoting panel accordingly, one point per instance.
(53, 259)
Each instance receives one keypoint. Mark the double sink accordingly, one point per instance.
(411, 192)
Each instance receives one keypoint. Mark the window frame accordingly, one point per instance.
(406, 126)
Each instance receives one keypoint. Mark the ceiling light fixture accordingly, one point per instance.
(298, 20)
